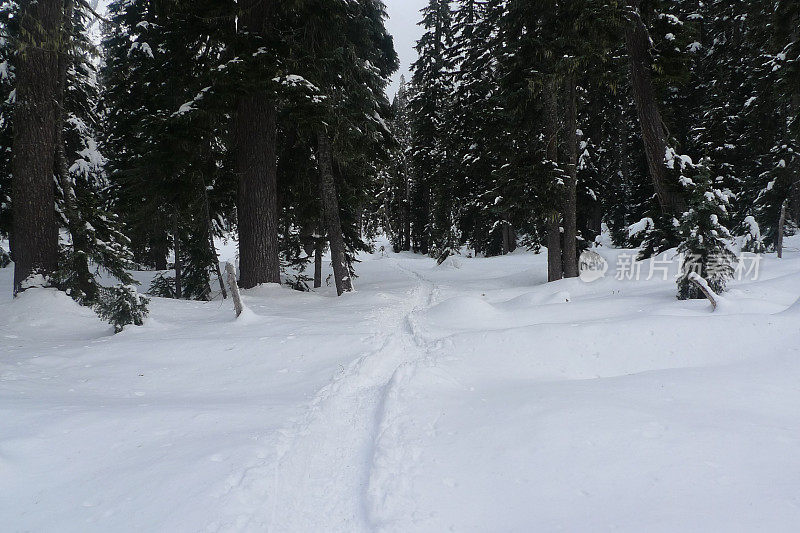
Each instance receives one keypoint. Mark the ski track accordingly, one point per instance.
(344, 466)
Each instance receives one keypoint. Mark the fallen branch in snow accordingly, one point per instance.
(234, 286)
(702, 284)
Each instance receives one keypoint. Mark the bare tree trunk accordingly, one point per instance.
(178, 265)
(237, 299)
(330, 201)
(781, 229)
(637, 40)
(33, 197)
(211, 247)
(216, 264)
(407, 212)
(159, 246)
(555, 269)
(319, 249)
(702, 285)
(506, 239)
(570, 255)
(255, 131)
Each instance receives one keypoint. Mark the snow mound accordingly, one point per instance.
(47, 309)
(533, 299)
(451, 263)
(461, 310)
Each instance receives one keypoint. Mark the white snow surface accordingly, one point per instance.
(477, 398)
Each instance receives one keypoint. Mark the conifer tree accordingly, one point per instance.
(430, 102)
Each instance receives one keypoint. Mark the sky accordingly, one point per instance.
(402, 24)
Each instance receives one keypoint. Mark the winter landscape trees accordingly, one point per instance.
(525, 122)
(250, 281)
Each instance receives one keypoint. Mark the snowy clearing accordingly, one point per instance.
(466, 397)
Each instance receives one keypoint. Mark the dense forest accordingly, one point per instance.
(675, 124)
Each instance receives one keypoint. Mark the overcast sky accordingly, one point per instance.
(402, 24)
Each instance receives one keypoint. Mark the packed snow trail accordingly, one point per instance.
(327, 457)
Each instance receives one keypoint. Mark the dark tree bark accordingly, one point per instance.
(509, 238)
(330, 202)
(255, 132)
(555, 270)
(35, 228)
(319, 249)
(257, 201)
(637, 40)
(781, 231)
(159, 246)
(407, 213)
(570, 255)
(176, 239)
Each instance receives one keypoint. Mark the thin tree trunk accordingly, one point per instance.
(210, 225)
(216, 263)
(35, 231)
(781, 229)
(330, 201)
(638, 44)
(319, 249)
(571, 185)
(407, 210)
(159, 246)
(555, 269)
(178, 264)
(237, 299)
(255, 133)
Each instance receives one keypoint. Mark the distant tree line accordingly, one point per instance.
(537, 121)
(526, 122)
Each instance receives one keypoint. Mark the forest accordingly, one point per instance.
(525, 123)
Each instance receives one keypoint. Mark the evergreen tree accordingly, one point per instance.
(430, 102)
(705, 240)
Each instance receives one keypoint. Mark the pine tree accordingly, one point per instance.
(165, 140)
(97, 239)
(430, 103)
(705, 239)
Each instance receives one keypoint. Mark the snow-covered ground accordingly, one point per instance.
(467, 397)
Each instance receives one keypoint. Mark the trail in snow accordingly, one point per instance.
(320, 475)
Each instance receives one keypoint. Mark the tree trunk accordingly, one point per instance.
(555, 269)
(159, 246)
(570, 256)
(35, 230)
(237, 299)
(637, 41)
(781, 229)
(407, 212)
(319, 249)
(74, 220)
(257, 201)
(178, 264)
(330, 201)
(211, 164)
(255, 133)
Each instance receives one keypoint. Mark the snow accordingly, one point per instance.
(477, 398)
